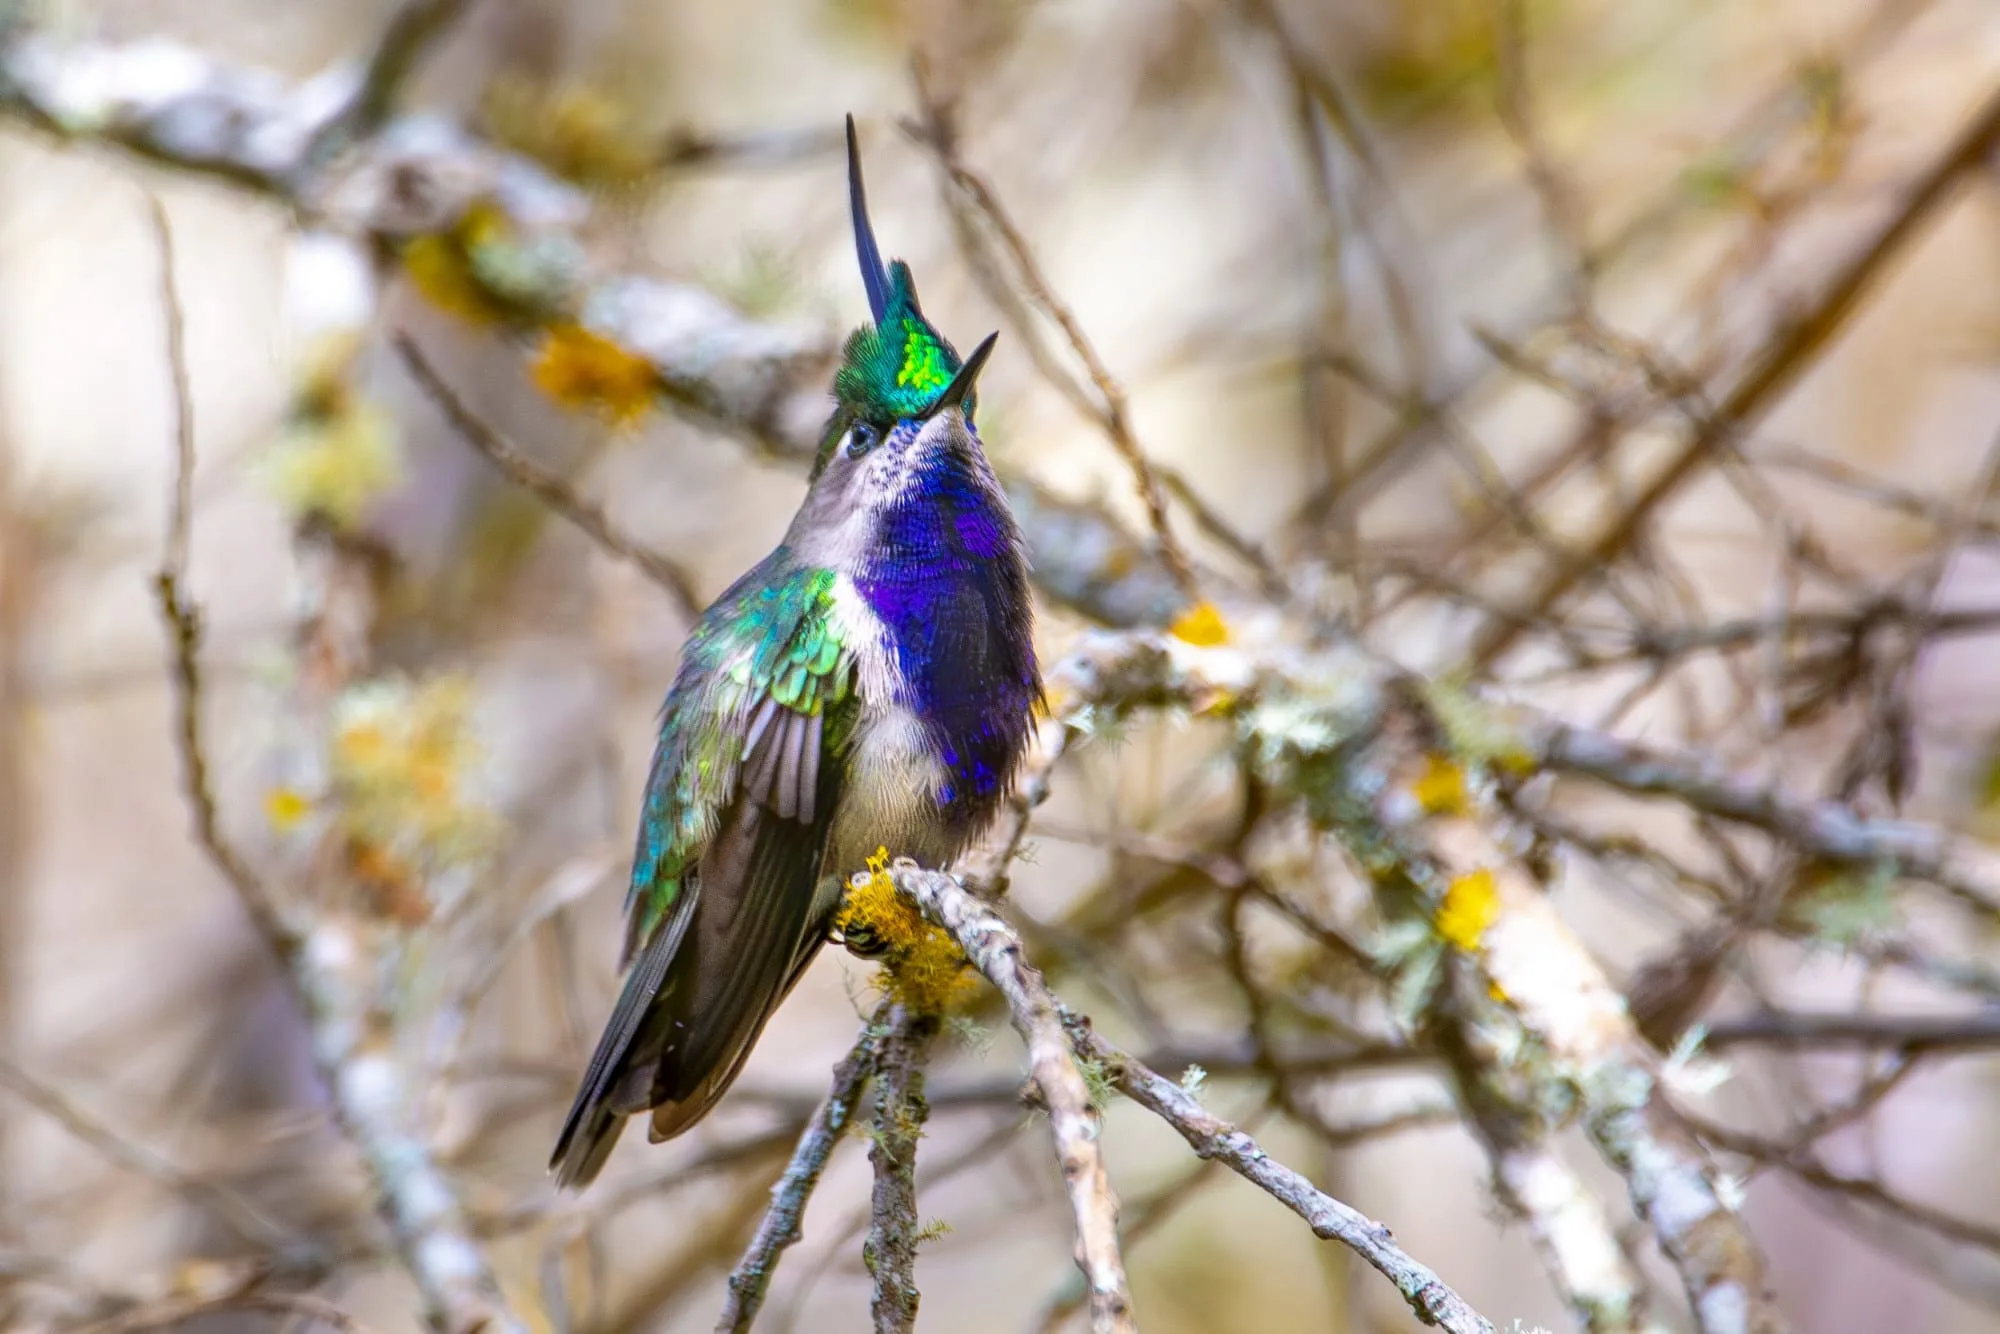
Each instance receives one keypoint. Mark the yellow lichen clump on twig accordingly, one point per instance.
(1471, 906)
(922, 967)
(444, 265)
(338, 452)
(403, 757)
(587, 372)
(1201, 625)
(1440, 789)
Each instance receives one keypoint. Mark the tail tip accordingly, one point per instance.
(584, 1146)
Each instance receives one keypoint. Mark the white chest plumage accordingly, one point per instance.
(890, 796)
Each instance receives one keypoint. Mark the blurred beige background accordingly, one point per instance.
(1146, 147)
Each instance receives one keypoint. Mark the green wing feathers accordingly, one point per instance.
(721, 906)
(762, 644)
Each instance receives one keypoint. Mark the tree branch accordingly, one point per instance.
(764, 383)
(751, 1278)
(330, 963)
(890, 1252)
(1211, 1137)
(995, 950)
(545, 486)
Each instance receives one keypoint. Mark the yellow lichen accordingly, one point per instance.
(1440, 789)
(441, 264)
(1201, 625)
(1471, 906)
(334, 468)
(284, 807)
(582, 134)
(922, 966)
(403, 757)
(587, 372)
(324, 390)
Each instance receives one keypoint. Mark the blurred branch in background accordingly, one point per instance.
(340, 963)
(1413, 762)
(178, 107)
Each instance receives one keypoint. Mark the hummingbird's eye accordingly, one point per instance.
(862, 437)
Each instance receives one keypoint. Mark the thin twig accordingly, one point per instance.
(545, 486)
(1828, 830)
(1774, 369)
(1212, 1137)
(751, 1278)
(184, 631)
(248, 1222)
(416, 26)
(1108, 408)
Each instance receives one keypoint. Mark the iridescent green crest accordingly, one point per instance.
(899, 365)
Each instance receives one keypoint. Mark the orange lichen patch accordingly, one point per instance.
(1440, 788)
(1201, 625)
(440, 264)
(1471, 906)
(403, 758)
(587, 372)
(393, 888)
(922, 966)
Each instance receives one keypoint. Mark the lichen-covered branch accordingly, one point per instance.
(1211, 1137)
(890, 1251)
(779, 1229)
(336, 963)
(1347, 734)
(995, 950)
(1576, 1240)
(176, 106)
(1533, 1026)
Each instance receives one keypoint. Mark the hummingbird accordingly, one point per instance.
(870, 683)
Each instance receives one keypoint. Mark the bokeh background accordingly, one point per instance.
(1276, 285)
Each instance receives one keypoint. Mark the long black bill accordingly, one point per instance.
(960, 387)
(873, 275)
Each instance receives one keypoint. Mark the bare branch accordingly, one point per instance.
(1773, 370)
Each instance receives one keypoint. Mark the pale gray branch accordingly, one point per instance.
(762, 382)
(995, 950)
(1212, 1137)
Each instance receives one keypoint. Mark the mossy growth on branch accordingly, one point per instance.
(922, 967)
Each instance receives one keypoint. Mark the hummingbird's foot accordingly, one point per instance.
(861, 939)
(922, 966)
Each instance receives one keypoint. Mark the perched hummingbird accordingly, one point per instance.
(869, 683)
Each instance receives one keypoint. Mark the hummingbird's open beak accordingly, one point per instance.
(960, 388)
